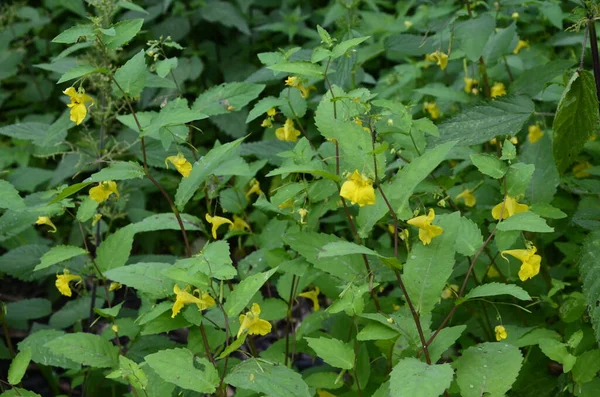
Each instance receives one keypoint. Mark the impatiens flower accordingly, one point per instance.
(358, 189)
(359, 122)
(96, 219)
(469, 83)
(408, 24)
(63, 280)
(579, 169)
(183, 297)
(498, 89)
(216, 221)
(183, 166)
(432, 109)
(271, 112)
(103, 191)
(520, 45)
(450, 291)
(468, 196)
(511, 207)
(114, 286)
(254, 188)
(289, 203)
(515, 15)
(115, 328)
(427, 231)
(514, 140)
(439, 57)
(77, 105)
(303, 212)
(500, 332)
(239, 224)
(44, 220)
(288, 132)
(268, 122)
(535, 133)
(295, 82)
(313, 295)
(530, 262)
(252, 323)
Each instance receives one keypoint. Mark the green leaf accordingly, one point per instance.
(587, 366)
(69, 191)
(341, 48)
(553, 12)
(442, 92)
(428, 267)
(114, 251)
(131, 77)
(217, 99)
(575, 120)
(545, 178)
(214, 261)
(445, 339)
(175, 113)
(489, 164)
(118, 172)
(233, 346)
(414, 378)
(73, 34)
(488, 369)
(502, 116)
(180, 367)
(261, 107)
(86, 349)
(302, 68)
(376, 331)
(18, 366)
(226, 14)
(147, 278)
(244, 291)
(18, 392)
(110, 312)
(130, 371)
(468, 237)
(333, 351)
(124, 32)
(399, 46)
(267, 379)
(493, 289)
(77, 72)
(10, 196)
(472, 35)
(558, 352)
(534, 80)
(499, 44)
(518, 178)
(525, 221)
(164, 66)
(201, 170)
(59, 253)
(339, 248)
(41, 354)
(589, 269)
(27, 309)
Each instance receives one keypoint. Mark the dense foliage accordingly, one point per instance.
(293, 198)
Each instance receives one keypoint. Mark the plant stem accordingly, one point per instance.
(595, 58)
(289, 320)
(9, 344)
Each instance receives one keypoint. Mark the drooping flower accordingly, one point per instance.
(44, 220)
(468, 196)
(440, 58)
(254, 188)
(77, 105)
(515, 15)
(239, 224)
(303, 212)
(520, 45)
(313, 295)
(500, 333)
(450, 291)
(427, 231)
(103, 191)
(183, 297)
(252, 323)
(511, 207)
(535, 133)
(268, 122)
(579, 169)
(530, 261)
(288, 132)
(216, 221)
(359, 122)
(498, 89)
(358, 189)
(294, 81)
(432, 109)
(183, 166)
(96, 219)
(63, 280)
(469, 84)
(114, 286)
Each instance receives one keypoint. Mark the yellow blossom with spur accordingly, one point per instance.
(313, 295)
(254, 188)
(216, 221)
(252, 322)
(288, 132)
(239, 224)
(432, 109)
(511, 207)
(535, 133)
(500, 332)
(183, 166)
(78, 104)
(440, 58)
(469, 84)
(427, 231)
(520, 45)
(183, 297)
(498, 89)
(63, 280)
(530, 261)
(358, 189)
(468, 196)
(103, 191)
(44, 220)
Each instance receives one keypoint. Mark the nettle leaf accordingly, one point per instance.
(414, 378)
(10, 196)
(490, 165)
(502, 116)
(526, 221)
(268, 379)
(488, 369)
(333, 351)
(59, 253)
(589, 268)
(472, 35)
(494, 289)
(214, 261)
(180, 367)
(41, 354)
(118, 172)
(220, 99)
(73, 34)
(86, 349)
(576, 118)
(428, 267)
(124, 32)
(131, 77)
(242, 293)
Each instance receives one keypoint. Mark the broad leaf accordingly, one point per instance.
(267, 379)
(414, 378)
(333, 351)
(86, 349)
(494, 289)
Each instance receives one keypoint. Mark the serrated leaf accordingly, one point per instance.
(414, 378)
(59, 253)
(41, 354)
(77, 72)
(473, 34)
(86, 349)
(333, 351)
(444, 340)
(535, 79)
(244, 291)
(302, 68)
(341, 48)
(114, 251)
(218, 99)
(72, 34)
(558, 352)
(468, 238)
(587, 366)
(147, 278)
(589, 268)
(545, 178)
(339, 248)
(518, 178)
(164, 66)
(18, 366)
(10, 196)
(214, 261)
(490, 165)
(124, 32)
(131, 77)
(494, 289)
(268, 379)
(525, 221)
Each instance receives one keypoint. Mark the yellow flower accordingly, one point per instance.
(468, 196)
(515, 15)
(77, 105)
(498, 89)
(313, 295)
(303, 213)
(358, 122)
(292, 81)
(511, 207)
(239, 224)
(535, 133)
(297, 83)
(183, 297)
(115, 328)
(44, 220)
(324, 393)
(579, 169)
(408, 24)
(96, 218)
(500, 332)
(267, 123)
(252, 323)
(254, 188)
(103, 191)
(216, 221)
(520, 45)
(427, 231)
(181, 164)
(271, 112)
(432, 109)
(514, 140)
(358, 189)
(469, 83)
(530, 262)
(114, 286)
(289, 203)
(450, 291)
(63, 280)
(288, 132)
(439, 57)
